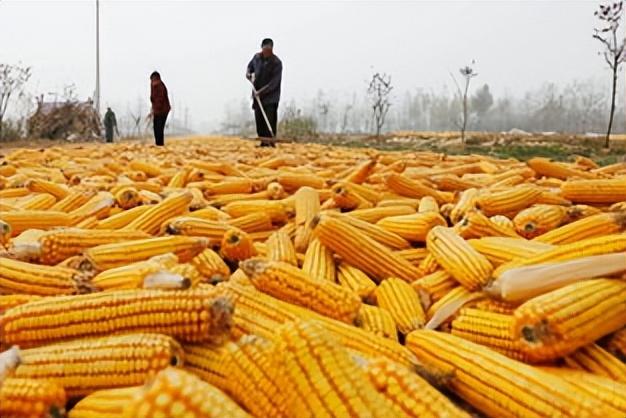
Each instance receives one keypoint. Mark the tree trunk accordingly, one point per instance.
(608, 132)
(1, 125)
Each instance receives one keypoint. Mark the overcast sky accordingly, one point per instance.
(201, 48)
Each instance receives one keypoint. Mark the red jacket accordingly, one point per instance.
(158, 97)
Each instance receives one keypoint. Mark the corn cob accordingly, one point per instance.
(42, 186)
(495, 305)
(229, 186)
(220, 201)
(458, 258)
(617, 207)
(376, 232)
(319, 262)
(211, 266)
(209, 362)
(434, 286)
(398, 201)
(189, 226)
(290, 284)
(149, 198)
(414, 396)
(606, 244)
(595, 191)
(175, 393)
(151, 220)
(276, 191)
(347, 198)
(134, 275)
(120, 220)
(466, 202)
(413, 227)
(402, 302)
(127, 197)
(500, 250)
(16, 299)
(594, 359)
(559, 322)
(33, 279)
(293, 181)
(86, 365)
(503, 222)
(449, 304)
(510, 200)
(496, 385)
(190, 315)
(361, 251)
(280, 248)
(545, 167)
(87, 223)
(151, 170)
(415, 188)
(337, 390)
(39, 201)
(355, 280)
(539, 219)
(428, 204)
(616, 344)
(278, 211)
(31, 398)
(108, 403)
(22, 220)
(374, 215)
(10, 192)
(607, 391)
(98, 206)
(108, 256)
(429, 264)
(476, 225)
(413, 255)
(236, 245)
(361, 172)
(5, 233)
(377, 321)
(587, 227)
(252, 223)
(72, 201)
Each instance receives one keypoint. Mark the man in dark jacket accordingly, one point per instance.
(265, 72)
(160, 107)
(110, 124)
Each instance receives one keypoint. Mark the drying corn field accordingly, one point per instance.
(211, 278)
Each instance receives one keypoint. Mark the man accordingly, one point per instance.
(160, 107)
(110, 123)
(265, 72)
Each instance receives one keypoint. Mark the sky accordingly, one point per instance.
(201, 48)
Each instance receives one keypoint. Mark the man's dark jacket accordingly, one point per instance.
(159, 99)
(268, 75)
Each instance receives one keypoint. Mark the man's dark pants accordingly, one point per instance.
(109, 134)
(159, 128)
(271, 110)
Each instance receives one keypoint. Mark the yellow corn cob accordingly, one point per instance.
(236, 245)
(108, 403)
(563, 171)
(361, 251)
(355, 280)
(72, 201)
(452, 301)
(458, 258)
(374, 215)
(136, 175)
(211, 214)
(497, 385)
(108, 256)
(209, 363)
(500, 250)
(476, 225)
(307, 206)
(319, 262)
(376, 232)
(402, 302)
(33, 279)
(361, 172)
(617, 207)
(252, 223)
(539, 219)
(594, 359)
(413, 255)
(398, 201)
(290, 284)
(189, 226)
(413, 227)
(605, 244)
(607, 391)
(31, 398)
(434, 286)
(415, 188)
(59, 191)
(10, 192)
(121, 219)
(86, 365)
(11, 300)
(127, 197)
(510, 200)
(151, 170)
(495, 305)
(466, 202)
(175, 393)
(377, 321)
(339, 390)
(211, 266)
(229, 186)
(190, 275)
(276, 191)
(188, 315)
(429, 264)
(293, 181)
(559, 322)
(280, 248)
(151, 220)
(504, 222)
(347, 198)
(149, 198)
(251, 366)
(22, 220)
(428, 204)
(616, 344)
(595, 191)
(39, 201)
(133, 275)
(98, 206)
(587, 227)
(220, 201)
(278, 211)
(414, 396)
(180, 178)
(87, 223)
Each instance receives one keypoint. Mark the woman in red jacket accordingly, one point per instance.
(160, 107)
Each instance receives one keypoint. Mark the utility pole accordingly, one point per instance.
(97, 93)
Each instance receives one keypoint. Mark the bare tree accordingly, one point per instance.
(468, 73)
(379, 91)
(614, 54)
(12, 81)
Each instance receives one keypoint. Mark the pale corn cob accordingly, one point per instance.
(434, 286)
(413, 227)
(617, 207)
(414, 396)
(86, 365)
(211, 266)
(208, 362)
(288, 283)
(190, 315)
(213, 214)
(594, 359)
(276, 191)
(147, 197)
(428, 204)
(587, 227)
(39, 201)
(180, 178)
(476, 225)
(595, 191)
(496, 385)
(236, 245)
(87, 223)
(133, 275)
(307, 206)
(466, 202)
(31, 398)
(449, 304)
(355, 280)
(20, 221)
(402, 302)
(185, 273)
(377, 321)
(120, 220)
(108, 256)
(33, 279)
(252, 223)
(361, 251)
(415, 188)
(616, 344)
(499, 250)
(108, 403)
(151, 220)
(280, 248)
(539, 219)
(559, 322)
(175, 393)
(374, 215)
(319, 262)
(503, 222)
(457, 257)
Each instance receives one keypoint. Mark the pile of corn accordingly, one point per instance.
(211, 278)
